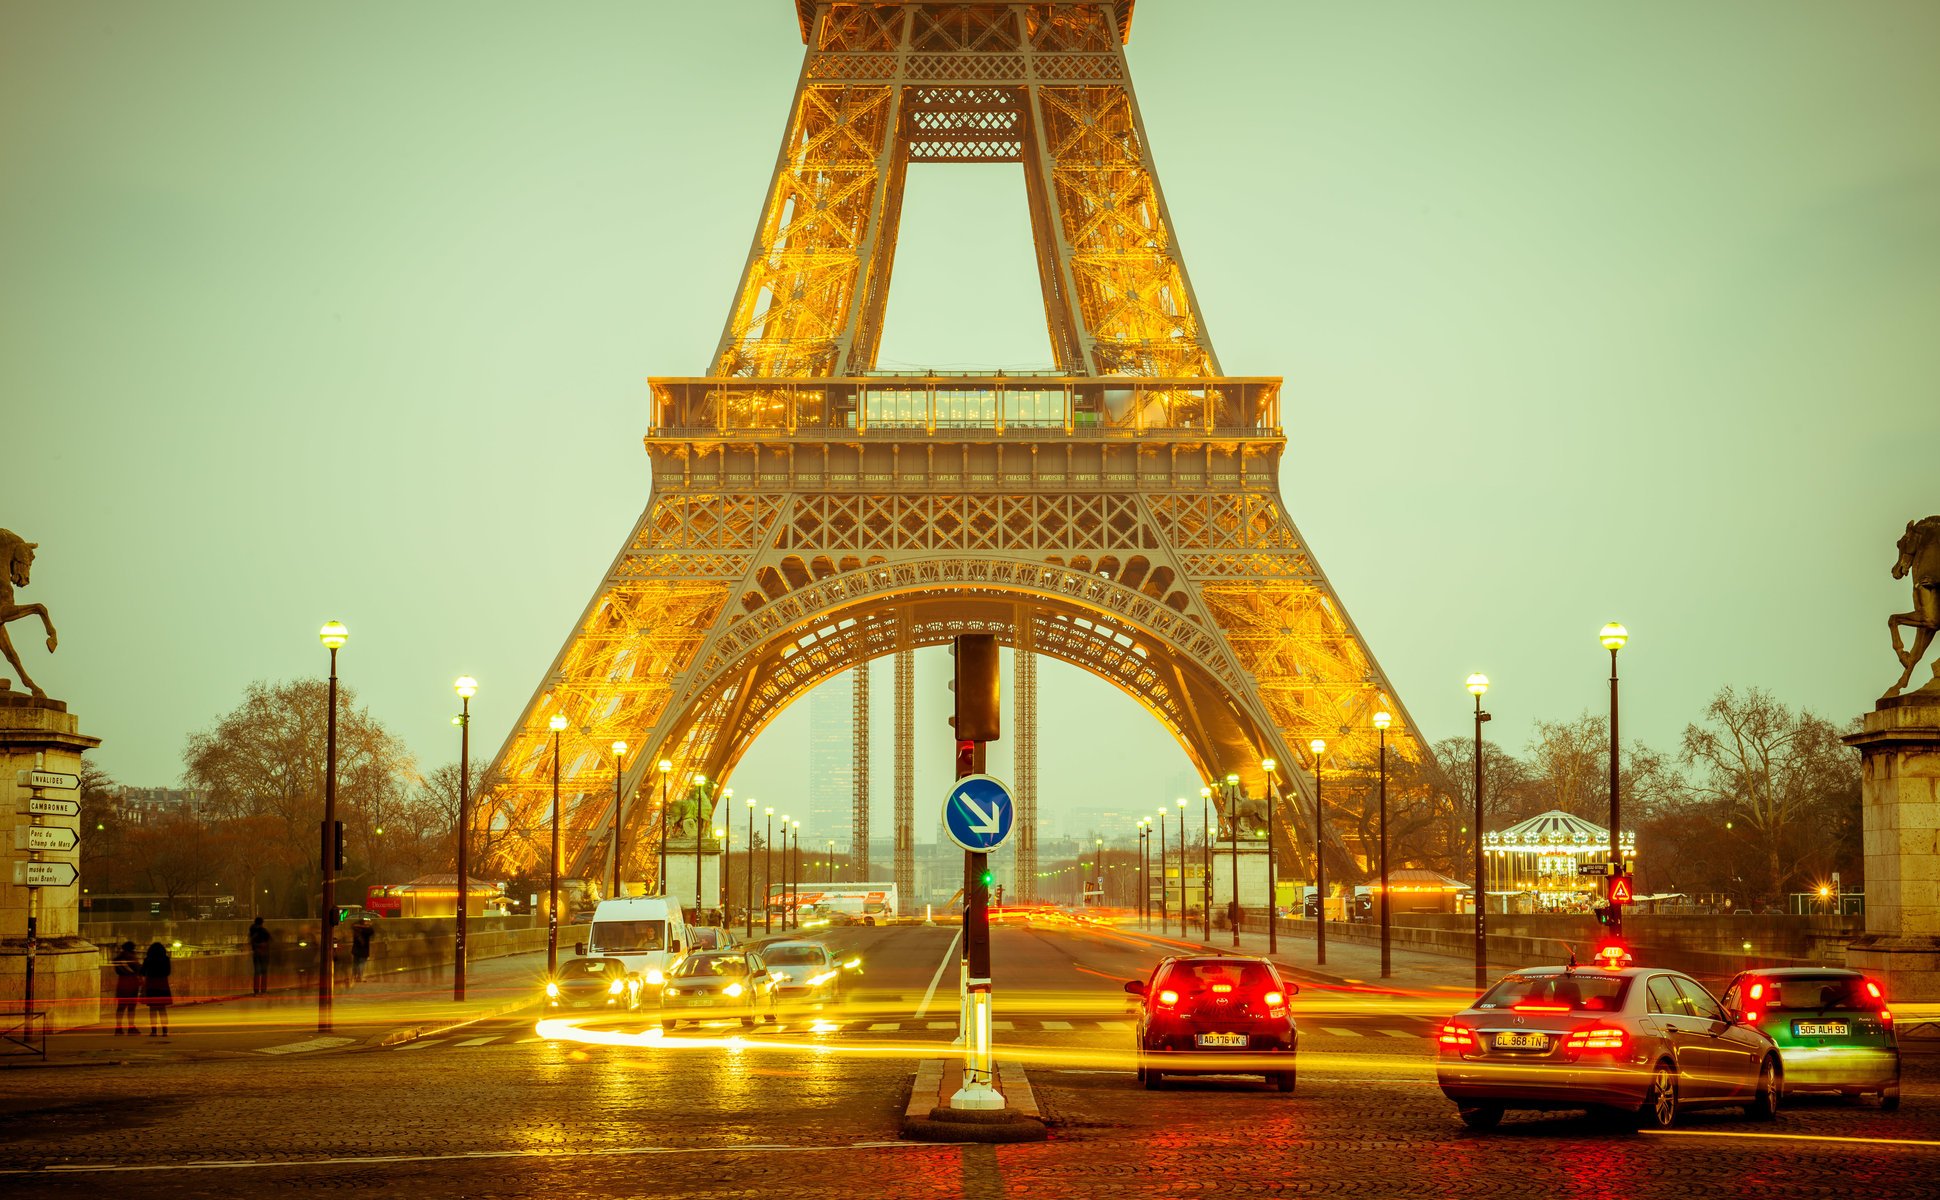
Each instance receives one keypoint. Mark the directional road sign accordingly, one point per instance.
(41, 806)
(51, 838)
(60, 781)
(1593, 868)
(44, 874)
(979, 813)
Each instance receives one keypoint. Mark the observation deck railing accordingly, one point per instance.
(952, 406)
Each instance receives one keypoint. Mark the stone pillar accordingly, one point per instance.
(1900, 745)
(40, 733)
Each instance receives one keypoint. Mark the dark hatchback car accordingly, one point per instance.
(1216, 1016)
(1833, 1028)
(593, 983)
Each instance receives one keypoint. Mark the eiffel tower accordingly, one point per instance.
(809, 513)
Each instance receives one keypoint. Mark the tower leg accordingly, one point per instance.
(1025, 768)
(859, 834)
(906, 777)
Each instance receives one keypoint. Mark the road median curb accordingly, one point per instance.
(928, 1117)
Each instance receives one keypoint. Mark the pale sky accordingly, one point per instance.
(1585, 312)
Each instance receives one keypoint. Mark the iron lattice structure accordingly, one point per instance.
(1024, 768)
(809, 514)
(906, 777)
(859, 718)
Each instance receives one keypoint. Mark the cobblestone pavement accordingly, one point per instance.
(514, 1118)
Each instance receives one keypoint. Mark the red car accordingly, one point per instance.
(1225, 1015)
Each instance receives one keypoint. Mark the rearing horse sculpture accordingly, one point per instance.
(1920, 558)
(19, 555)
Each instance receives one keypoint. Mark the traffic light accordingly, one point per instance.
(987, 877)
(976, 688)
(1000, 890)
(337, 842)
(1606, 914)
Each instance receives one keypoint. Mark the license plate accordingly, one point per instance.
(1223, 1039)
(1821, 1028)
(1522, 1041)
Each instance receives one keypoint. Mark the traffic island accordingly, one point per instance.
(928, 1116)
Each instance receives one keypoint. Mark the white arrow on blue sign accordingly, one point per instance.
(979, 813)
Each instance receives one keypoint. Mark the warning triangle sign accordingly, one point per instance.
(1620, 891)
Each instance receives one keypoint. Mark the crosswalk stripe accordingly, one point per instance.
(1058, 1025)
(479, 1041)
(1403, 1033)
(422, 1043)
(996, 1026)
(1336, 1031)
(1119, 1026)
(885, 1026)
(941, 1025)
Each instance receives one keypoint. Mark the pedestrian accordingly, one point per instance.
(360, 939)
(259, 939)
(155, 991)
(127, 987)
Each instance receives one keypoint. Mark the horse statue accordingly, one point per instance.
(1919, 557)
(19, 555)
(1249, 811)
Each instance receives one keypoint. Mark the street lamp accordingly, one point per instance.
(1205, 860)
(1381, 722)
(1272, 873)
(557, 724)
(1478, 684)
(666, 765)
(831, 862)
(466, 687)
(1182, 866)
(1613, 636)
(1144, 884)
(619, 772)
(795, 896)
(1319, 748)
(334, 637)
(1161, 826)
(1232, 830)
(748, 917)
(724, 840)
(768, 873)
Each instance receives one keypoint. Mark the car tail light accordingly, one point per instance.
(1541, 1008)
(1872, 989)
(1168, 998)
(1757, 991)
(1599, 1037)
(1886, 1017)
(1457, 1036)
(1275, 999)
(1222, 989)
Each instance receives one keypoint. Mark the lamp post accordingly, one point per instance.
(666, 766)
(334, 637)
(466, 687)
(557, 724)
(1232, 830)
(1272, 874)
(1319, 748)
(720, 839)
(795, 894)
(1182, 866)
(1613, 636)
(619, 774)
(768, 873)
(1161, 828)
(1478, 685)
(700, 798)
(784, 872)
(831, 862)
(1381, 722)
(748, 916)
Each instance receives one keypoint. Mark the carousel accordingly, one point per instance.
(1533, 865)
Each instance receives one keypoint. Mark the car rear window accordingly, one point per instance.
(1202, 975)
(792, 955)
(1818, 993)
(1568, 993)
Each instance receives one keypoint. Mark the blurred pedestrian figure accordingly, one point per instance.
(259, 939)
(127, 987)
(155, 991)
(360, 939)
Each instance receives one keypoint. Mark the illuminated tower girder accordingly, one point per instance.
(906, 778)
(809, 514)
(859, 718)
(1024, 768)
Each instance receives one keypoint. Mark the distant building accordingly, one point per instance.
(136, 804)
(831, 762)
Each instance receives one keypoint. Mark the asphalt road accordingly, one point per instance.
(807, 1110)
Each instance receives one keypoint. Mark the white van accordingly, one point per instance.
(647, 933)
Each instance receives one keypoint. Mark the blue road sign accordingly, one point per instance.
(979, 813)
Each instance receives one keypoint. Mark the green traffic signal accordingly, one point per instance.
(987, 877)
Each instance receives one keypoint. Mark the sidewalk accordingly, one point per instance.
(380, 1011)
(1350, 965)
